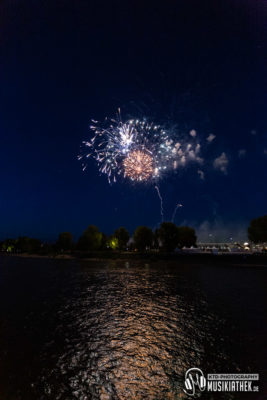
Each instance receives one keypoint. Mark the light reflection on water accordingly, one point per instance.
(122, 331)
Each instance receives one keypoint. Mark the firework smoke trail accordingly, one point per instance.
(175, 210)
(161, 203)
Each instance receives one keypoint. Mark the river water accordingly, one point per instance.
(119, 330)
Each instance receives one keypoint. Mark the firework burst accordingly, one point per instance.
(136, 149)
(138, 166)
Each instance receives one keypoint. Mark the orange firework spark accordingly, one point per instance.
(138, 166)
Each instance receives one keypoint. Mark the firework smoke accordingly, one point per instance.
(175, 210)
(161, 203)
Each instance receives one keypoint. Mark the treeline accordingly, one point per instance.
(167, 237)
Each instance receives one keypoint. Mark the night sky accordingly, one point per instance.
(190, 64)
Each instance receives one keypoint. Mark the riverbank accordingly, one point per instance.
(181, 257)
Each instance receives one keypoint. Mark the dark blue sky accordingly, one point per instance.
(194, 65)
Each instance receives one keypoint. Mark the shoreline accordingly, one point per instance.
(235, 259)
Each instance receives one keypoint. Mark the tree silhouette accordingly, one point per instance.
(65, 241)
(168, 236)
(91, 239)
(104, 242)
(143, 238)
(25, 244)
(123, 237)
(186, 236)
(156, 240)
(9, 245)
(257, 230)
